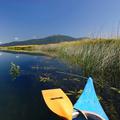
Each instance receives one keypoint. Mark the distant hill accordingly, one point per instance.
(46, 40)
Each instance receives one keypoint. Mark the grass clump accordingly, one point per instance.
(98, 57)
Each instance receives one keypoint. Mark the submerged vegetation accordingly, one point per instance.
(14, 70)
(75, 93)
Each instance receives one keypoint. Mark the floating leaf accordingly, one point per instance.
(115, 89)
(45, 79)
(75, 93)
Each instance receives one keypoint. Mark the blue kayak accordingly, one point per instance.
(89, 104)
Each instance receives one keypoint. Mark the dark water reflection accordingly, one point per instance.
(21, 99)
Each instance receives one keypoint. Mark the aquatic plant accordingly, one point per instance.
(14, 70)
(44, 79)
(75, 93)
(35, 67)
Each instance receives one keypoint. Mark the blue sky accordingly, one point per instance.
(25, 19)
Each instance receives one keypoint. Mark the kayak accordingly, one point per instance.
(87, 106)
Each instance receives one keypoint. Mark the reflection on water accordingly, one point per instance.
(0, 54)
(21, 98)
(17, 56)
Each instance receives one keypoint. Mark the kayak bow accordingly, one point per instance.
(89, 103)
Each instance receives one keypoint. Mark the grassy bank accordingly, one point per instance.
(100, 58)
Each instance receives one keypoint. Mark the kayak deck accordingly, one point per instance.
(89, 102)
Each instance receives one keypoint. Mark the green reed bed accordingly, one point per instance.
(100, 58)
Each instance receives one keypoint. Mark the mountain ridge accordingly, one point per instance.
(47, 40)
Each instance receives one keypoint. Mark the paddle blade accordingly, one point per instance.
(58, 102)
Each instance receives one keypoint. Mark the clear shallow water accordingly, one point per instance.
(21, 99)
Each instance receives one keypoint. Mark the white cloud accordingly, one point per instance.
(0, 42)
(16, 38)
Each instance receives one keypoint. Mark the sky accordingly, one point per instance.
(29, 19)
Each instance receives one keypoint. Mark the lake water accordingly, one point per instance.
(20, 96)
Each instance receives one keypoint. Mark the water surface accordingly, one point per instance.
(20, 98)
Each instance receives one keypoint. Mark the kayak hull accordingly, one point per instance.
(86, 115)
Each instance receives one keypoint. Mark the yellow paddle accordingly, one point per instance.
(58, 102)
